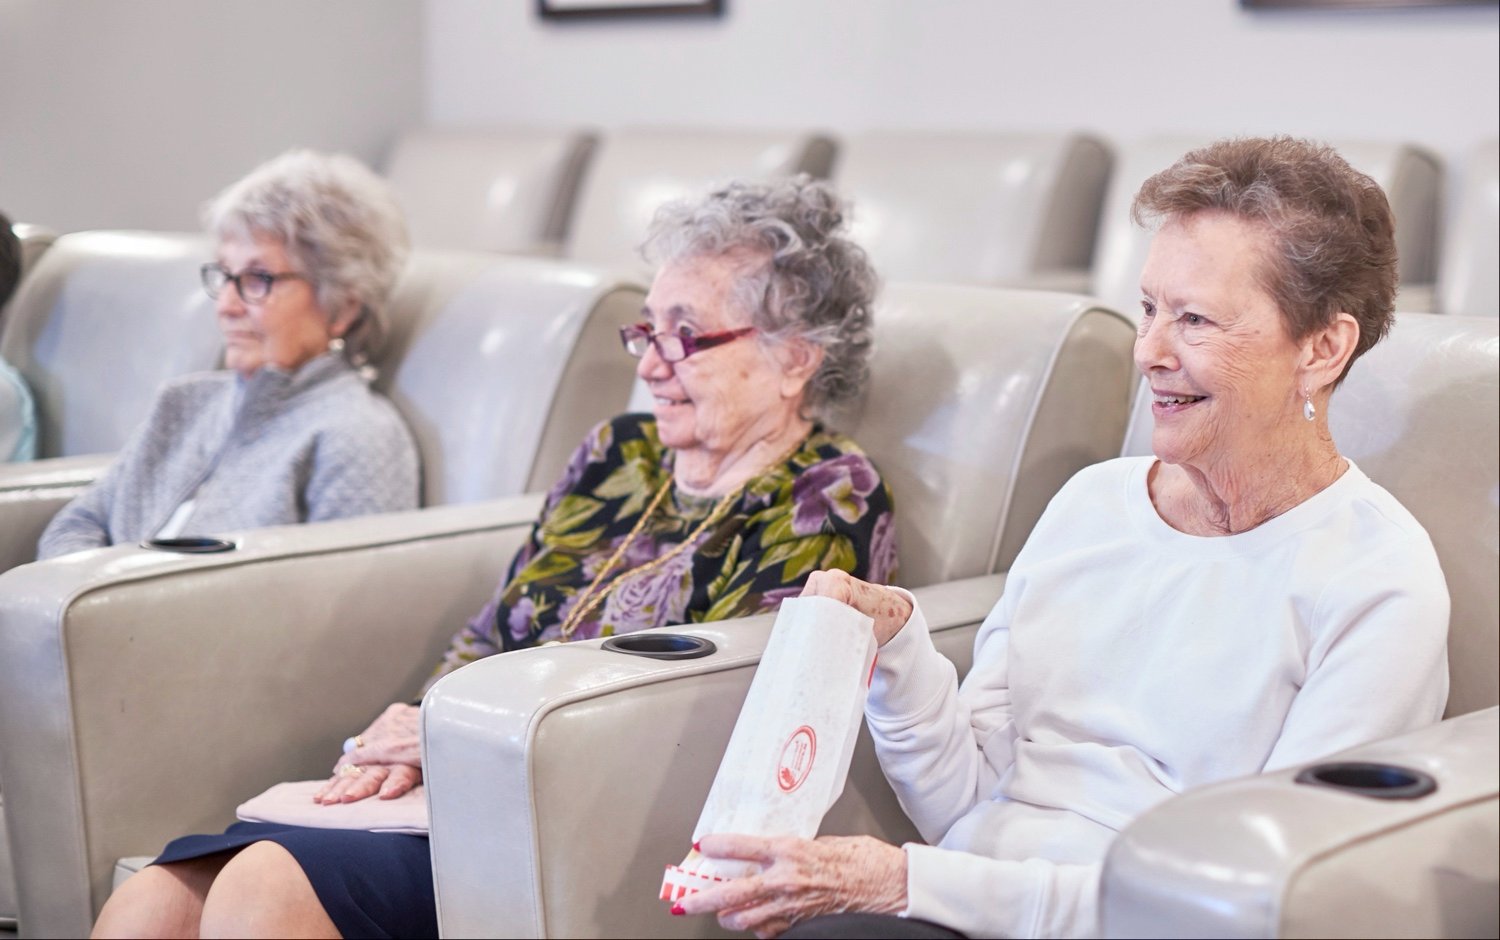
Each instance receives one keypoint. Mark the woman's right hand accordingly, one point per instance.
(889, 609)
(386, 761)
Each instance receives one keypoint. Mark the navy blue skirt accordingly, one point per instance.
(372, 884)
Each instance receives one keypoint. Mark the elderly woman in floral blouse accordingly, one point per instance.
(718, 504)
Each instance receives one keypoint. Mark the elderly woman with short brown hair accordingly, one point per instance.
(1244, 600)
(718, 504)
(308, 250)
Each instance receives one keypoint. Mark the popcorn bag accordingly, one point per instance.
(789, 755)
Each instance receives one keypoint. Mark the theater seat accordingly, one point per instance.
(636, 169)
(123, 671)
(1411, 176)
(990, 209)
(1267, 856)
(595, 764)
(506, 190)
(1469, 276)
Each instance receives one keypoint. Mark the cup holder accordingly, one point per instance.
(190, 545)
(1381, 781)
(660, 645)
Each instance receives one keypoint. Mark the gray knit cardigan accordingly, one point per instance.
(270, 449)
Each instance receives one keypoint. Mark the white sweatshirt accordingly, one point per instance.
(1127, 662)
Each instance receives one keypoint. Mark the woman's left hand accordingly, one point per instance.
(801, 878)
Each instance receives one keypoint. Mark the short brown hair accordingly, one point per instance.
(1333, 232)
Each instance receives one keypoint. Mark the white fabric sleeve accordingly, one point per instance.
(987, 897)
(942, 749)
(1379, 665)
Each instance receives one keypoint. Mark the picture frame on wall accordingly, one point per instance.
(600, 9)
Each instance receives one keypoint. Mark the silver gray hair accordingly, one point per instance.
(805, 278)
(337, 221)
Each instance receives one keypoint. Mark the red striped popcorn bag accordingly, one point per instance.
(789, 755)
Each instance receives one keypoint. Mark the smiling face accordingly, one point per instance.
(721, 400)
(286, 329)
(1214, 347)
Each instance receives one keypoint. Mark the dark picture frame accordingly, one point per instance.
(1358, 4)
(610, 9)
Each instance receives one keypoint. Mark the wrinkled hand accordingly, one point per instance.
(801, 878)
(889, 609)
(387, 763)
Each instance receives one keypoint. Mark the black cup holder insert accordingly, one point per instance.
(190, 544)
(1381, 781)
(660, 645)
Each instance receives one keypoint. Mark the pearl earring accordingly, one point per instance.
(336, 344)
(1308, 411)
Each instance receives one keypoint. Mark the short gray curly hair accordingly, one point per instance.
(339, 223)
(815, 283)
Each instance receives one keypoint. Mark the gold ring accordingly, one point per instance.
(359, 741)
(351, 770)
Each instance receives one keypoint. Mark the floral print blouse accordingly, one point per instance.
(824, 506)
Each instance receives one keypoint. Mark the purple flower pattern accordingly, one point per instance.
(836, 487)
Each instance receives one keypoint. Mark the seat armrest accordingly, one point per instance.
(562, 779)
(144, 695)
(1266, 856)
(31, 493)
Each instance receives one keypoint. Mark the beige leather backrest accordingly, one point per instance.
(637, 169)
(1411, 177)
(500, 365)
(101, 322)
(1469, 276)
(981, 403)
(1420, 415)
(489, 189)
(974, 208)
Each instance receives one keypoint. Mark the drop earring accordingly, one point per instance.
(1308, 411)
(336, 344)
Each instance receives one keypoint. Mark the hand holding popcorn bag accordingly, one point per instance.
(789, 755)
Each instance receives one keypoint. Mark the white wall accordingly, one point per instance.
(131, 113)
(1123, 68)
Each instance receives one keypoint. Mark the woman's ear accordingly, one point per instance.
(799, 361)
(1327, 351)
(345, 318)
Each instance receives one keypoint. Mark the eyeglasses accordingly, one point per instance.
(674, 347)
(252, 286)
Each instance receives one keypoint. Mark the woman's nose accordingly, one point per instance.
(228, 303)
(1153, 346)
(652, 365)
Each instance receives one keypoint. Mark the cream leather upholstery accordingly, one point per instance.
(92, 299)
(1268, 857)
(1411, 177)
(143, 695)
(489, 189)
(486, 359)
(992, 209)
(1469, 276)
(636, 169)
(982, 403)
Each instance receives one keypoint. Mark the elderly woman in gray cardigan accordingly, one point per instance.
(309, 248)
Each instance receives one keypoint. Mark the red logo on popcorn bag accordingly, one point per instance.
(796, 759)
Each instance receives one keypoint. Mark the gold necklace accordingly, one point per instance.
(589, 599)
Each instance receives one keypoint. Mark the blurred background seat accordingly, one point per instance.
(1268, 856)
(508, 190)
(994, 209)
(636, 169)
(981, 403)
(1469, 277)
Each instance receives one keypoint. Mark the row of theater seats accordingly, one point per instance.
(144, 694)
(1048, 210)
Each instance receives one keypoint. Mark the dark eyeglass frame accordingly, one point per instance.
(215, 276)
(674, 347)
